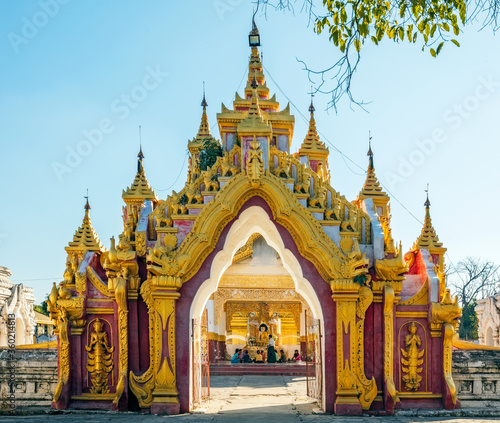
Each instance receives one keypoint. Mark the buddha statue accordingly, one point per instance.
(263, 333)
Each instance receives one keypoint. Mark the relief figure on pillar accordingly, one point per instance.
(99, 359)
(412, 359)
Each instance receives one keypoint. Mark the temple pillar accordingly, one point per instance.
(391, 400)
(156, 389)
(355, 392)
(449, 389)
(345, 295)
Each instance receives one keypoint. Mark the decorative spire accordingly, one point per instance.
(87, 205)
(313, 150)
(427, 203)
(370, 152)
(312, 142)
(428, 238)
(372, 188)
(85, 238)
(140, 156)
(204, 130)
(140, 189)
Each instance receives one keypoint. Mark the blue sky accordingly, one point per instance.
(72, 69)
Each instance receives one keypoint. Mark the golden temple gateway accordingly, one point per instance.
(256, 250)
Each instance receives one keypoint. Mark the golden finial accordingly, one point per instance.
(427, 202)
(140, 156)
(204, 103)
(311, 107)
(87, 205)
(370, 152)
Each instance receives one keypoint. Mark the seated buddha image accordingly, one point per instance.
(263, 334)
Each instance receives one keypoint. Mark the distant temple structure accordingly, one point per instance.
(257, 245)
(16, 300)
(488, 314)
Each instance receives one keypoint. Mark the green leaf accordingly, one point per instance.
(343, 16)
(357, 44)
(403, 10)
(456, 43)
(440, 46)
(433, 52)
(433, 30)
(446, 27)
(374, 39)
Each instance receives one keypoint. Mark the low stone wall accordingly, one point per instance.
(476, 374)
(35, 377)
(477, 377)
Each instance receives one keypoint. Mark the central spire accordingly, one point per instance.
(204, 130)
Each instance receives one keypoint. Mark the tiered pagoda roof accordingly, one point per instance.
(428, 238)
(85, 238)
(140, 189)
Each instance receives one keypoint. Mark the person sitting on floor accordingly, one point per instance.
(246, 357)
(236, 357)
(258, 357)
(296, 356)
(282, 356)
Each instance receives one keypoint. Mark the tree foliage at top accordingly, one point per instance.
(469, 322)
(350, 24)
(42, 308)
(210, 152)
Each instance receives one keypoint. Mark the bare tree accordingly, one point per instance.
(472, 279)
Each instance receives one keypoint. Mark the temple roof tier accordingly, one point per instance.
(140, 189)
(85, 238)
(428, 238)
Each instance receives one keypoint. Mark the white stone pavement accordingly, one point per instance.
(247, 399)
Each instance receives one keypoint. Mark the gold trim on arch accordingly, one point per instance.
(312, 242)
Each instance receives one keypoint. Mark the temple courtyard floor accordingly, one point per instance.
(256, 399)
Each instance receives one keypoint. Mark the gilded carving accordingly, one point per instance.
(389, 342)
(140, 243)
(367, 387)
(62, 329)
(392, 269)
(121, 300)
(65, 310)
(447, 311)
(247, 294)
(255, 163)
(447, 360)
(99, 359)
(165, 269)
(412, 359)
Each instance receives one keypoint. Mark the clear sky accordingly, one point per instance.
(72, 70)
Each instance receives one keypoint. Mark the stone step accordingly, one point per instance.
(218, 369)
